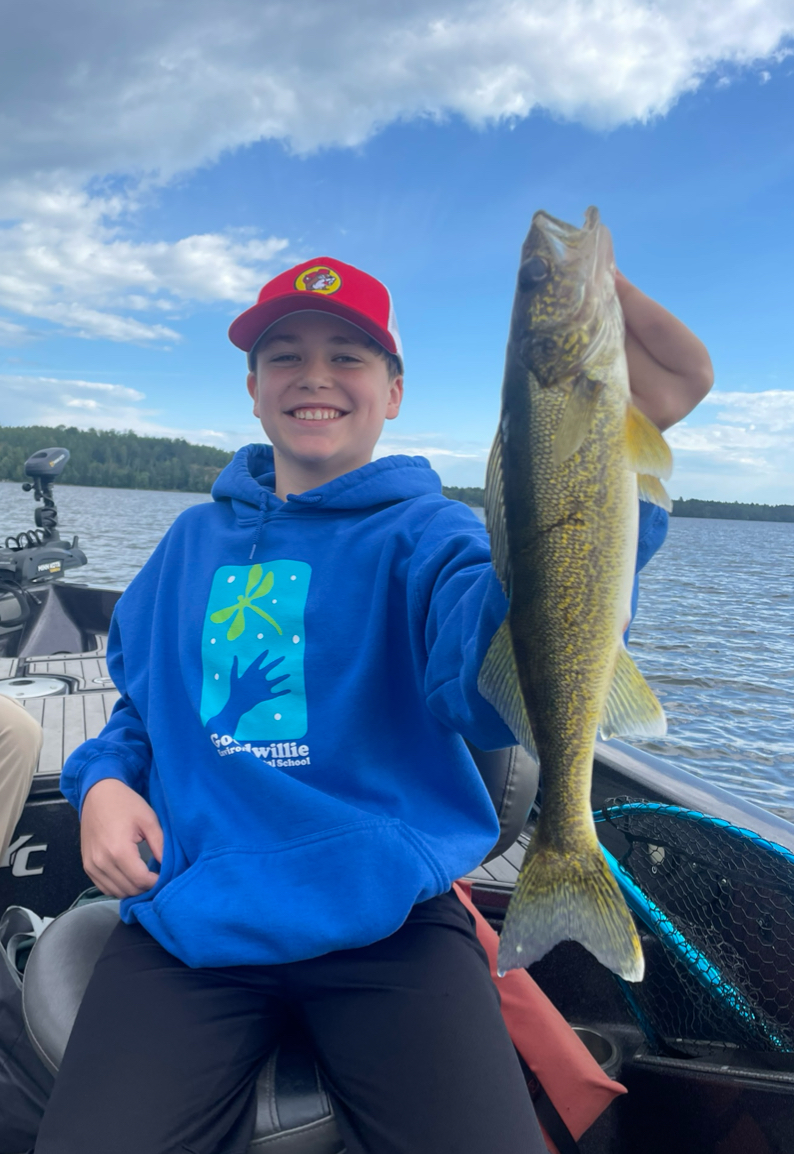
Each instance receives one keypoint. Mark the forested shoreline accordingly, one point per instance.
(732, 510)
(720, 510)
(114, 460)
(128, 461)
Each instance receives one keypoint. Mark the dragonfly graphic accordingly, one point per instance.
(265, 584)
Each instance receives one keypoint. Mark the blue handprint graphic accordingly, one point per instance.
(254, 622)
(247, 690)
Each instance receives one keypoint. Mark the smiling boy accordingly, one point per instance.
(322, 391)
(297, 663)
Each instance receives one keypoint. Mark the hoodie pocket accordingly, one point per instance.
(343, 889)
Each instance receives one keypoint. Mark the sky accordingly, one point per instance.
(161, 159)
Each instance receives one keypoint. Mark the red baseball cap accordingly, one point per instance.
(321, 285)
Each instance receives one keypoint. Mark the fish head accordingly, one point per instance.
(566, 306)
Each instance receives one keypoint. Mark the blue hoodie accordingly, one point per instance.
(295, 677)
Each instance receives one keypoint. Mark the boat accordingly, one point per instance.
(704, 1045)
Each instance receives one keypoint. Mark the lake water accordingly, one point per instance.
(714, 633)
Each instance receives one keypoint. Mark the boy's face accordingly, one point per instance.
(321, 394)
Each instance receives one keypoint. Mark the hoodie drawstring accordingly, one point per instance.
(258, 533)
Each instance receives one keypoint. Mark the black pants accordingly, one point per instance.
(408, 1032)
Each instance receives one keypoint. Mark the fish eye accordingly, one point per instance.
(532, 272)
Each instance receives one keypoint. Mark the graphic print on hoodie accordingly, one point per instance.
(252, 653)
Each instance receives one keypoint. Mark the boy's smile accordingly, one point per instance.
(322, 392)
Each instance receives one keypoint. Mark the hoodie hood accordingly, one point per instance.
(248, 481)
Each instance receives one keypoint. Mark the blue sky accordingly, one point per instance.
(154, 172)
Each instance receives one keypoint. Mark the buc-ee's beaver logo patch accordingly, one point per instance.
(319, 279)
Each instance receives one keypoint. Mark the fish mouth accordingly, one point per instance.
(564, 235)
(566, 244)
(580, 270)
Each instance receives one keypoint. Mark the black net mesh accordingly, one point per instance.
(720, 903)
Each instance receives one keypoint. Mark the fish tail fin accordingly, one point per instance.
(561, 897)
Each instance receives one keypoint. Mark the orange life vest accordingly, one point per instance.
(577, 1086)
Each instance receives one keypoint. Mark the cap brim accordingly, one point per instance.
(248, 329)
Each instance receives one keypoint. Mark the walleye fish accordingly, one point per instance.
(570, 455)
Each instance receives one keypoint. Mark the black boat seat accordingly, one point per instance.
(511, 778)
(294, 1114)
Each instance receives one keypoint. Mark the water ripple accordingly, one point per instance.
(714, 635)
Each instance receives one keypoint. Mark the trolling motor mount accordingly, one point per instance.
(40, 554)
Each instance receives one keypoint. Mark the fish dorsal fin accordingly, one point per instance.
(631, 706)
(577, 416)
(648, 452)
(651, 489)
(495, 520)
(498, 683)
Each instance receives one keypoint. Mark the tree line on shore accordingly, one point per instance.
(114, 460)
(723, 510)
(128, 461)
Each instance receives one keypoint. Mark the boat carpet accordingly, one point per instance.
(67, 722)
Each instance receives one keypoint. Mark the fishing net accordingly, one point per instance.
(719, 902)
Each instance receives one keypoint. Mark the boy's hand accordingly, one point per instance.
(669, 368)
(114, 820)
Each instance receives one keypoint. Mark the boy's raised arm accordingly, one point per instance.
(459, 598)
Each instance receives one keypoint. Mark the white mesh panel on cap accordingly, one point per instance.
(391, 325)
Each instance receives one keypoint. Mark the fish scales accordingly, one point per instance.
(562, 509)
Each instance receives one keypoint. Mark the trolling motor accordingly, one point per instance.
(39, 554)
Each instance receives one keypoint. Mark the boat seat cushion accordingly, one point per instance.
(293, 1114)
(511, 778)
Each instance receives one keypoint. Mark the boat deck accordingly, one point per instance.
(69, 720)
(76, 717)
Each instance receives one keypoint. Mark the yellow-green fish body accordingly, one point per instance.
(562, 509)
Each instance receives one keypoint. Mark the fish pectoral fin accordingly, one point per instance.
(577, 416)
(651, 489)
(631, 705)
(495, 520)
(648, 452)
(498, 683)
(569, 896)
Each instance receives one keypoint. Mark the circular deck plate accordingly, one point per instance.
(36, 685)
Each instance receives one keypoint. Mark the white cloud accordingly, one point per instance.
(773, 408)
(11, 333)
(457, 462)
(168, 84)
(743, 454)
(152, 88)
(30, 400)
(64, 259)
